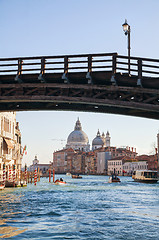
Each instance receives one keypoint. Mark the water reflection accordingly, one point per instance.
(8, 202)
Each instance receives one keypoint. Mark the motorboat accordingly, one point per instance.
(145, 176)
(76, 176)
(1, 186)
(114, 178)
(9, 184)
(68, 174)
(60, 182)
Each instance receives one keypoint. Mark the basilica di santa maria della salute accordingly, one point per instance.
(99, 157)
(78, 139)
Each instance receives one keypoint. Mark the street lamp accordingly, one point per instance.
(126, 29)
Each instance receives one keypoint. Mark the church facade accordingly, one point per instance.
(78, 139)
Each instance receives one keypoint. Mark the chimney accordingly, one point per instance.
(132, 149)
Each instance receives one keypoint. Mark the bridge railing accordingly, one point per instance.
(48, 64)
(141, 67)
(80, 63)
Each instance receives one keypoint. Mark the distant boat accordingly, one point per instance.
(76, 176)
(60, 182)
(9, 184)
(114, 178)
(68, 174)
(145, 176)
(1, 186)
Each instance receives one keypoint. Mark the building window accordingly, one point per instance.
(6, 125)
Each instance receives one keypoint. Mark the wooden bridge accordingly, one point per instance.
(87, 82)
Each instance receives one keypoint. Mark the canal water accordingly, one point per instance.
(87, 208)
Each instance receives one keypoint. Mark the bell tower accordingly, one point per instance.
(107, 139)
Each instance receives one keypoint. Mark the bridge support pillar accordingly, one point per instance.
(88, 76)
(139, 83)
(41, 78)
(20, 64)
(113, 80)
(17, 78)
(65, 78)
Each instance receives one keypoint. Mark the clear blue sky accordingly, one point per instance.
(54, 27)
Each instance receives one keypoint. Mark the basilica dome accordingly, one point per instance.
(78, 139)
(77, 136)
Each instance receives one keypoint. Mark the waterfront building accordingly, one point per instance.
(60, 163)
(43, 168)
(103, 155)
(106, 153)
(69, 155)
(152, 161)
(78, 139)
(131, 165)
(17, 152)
(90, 163)
(115, 165)
(78, 163)
(10, 146)
(123, 151)
(125, 165)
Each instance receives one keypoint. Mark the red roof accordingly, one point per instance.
(121, 158)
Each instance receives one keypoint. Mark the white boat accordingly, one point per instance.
(146, 176)
(68, 174)
(1, 186)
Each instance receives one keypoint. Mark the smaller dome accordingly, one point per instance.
(98, 140)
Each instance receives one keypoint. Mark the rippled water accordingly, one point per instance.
(87, 208)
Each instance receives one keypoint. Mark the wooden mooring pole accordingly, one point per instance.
(53, 174)
(49, 175)
(35, 176)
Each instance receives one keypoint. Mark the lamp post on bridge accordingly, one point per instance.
(126, 29)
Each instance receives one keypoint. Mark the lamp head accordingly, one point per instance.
(126, 27)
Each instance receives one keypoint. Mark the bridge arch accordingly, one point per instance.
(88, 83)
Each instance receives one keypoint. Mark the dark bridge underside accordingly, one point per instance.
(76, 106)
(78, 95)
